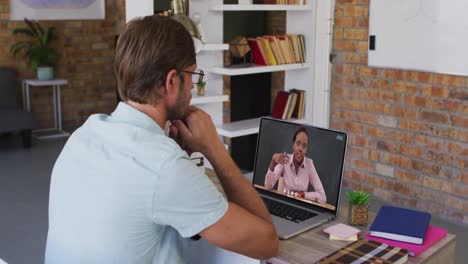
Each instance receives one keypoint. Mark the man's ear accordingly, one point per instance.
(171, 81)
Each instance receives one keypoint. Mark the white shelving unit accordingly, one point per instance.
(261, 8)
(244, 127)
(209, 97)
(314, 22)
(214, 47)
(258, 69)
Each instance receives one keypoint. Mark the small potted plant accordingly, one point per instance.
(201, 88)
(37, 49)
(358, 207)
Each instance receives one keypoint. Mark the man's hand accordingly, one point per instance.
(195, 133)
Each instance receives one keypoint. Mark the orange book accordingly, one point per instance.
(269, 53)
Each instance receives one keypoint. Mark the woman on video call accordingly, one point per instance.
(298, 171)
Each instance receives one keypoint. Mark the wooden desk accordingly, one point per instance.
(314, 244)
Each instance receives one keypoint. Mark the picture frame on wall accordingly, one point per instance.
(57, 9)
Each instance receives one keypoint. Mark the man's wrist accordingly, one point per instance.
(214, 149)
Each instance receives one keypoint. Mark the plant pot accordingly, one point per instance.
(357, 214)
(200, 89)
(45, 73)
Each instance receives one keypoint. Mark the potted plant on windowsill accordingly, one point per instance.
(37, 48)
(358, 207)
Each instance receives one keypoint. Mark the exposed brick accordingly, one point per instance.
(431, 90)
(373, 155)
(425, 167)
(449, 80)
(357, 11)
(351, 22)
(345, 69)
(387, 121)
(461, 176)
(460, 190)
(354, 127)
(411, 150)
(443, 104)
(435, 117)
(386, 146)
(380, 84)
(368, 71)
(436, 184)
(404, 87)
(405, 112)
(456, 203)
(385, 170)
(363, 165)
(431, 195)
(383, 194)
(345, 45)
(459, 121)
(461, 94)
(405, 176)
(397, 160)
(355, 34)
(429, 142)
(426, 146)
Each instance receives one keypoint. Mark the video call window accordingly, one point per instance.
(301, 162)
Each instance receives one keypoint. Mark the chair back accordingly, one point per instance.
(8, 97)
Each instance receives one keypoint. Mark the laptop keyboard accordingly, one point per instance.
(287, 212)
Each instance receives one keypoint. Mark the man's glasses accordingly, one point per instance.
(197, 76)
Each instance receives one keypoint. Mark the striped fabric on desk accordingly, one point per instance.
(365, 251)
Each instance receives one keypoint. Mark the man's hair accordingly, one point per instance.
(146, 51)
(301, 129)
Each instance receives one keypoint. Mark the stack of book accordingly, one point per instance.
(405, 228)
(289, 105)
(274, 50)
(342, 232)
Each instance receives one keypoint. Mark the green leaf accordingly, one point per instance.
(24, 31)
(32, 27)
(19, 46)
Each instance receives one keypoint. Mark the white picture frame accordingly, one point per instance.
(57, 9)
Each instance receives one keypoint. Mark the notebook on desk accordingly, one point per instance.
(298, 172)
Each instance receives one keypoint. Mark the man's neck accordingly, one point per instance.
(154, 112)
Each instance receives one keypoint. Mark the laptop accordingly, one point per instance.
(302, 189)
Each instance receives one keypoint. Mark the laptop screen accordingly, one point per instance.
(300, 163)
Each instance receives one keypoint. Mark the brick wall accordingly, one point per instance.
(408, 130)
(86, 49)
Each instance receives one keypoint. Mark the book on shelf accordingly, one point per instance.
(298, 111)
(274, 50)
(280, 104)
(257, 55)
(400, 224)
(433, 234)
(366, 251)
(289, 105)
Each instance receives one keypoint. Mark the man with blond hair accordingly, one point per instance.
(122, 191)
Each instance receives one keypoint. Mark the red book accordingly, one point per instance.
(257, 56)
(433, 234)
(280, 104)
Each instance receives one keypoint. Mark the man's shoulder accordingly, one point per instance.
(145, 146)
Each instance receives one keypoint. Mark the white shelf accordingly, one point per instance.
(258, 69)
(261, 8)
(214, 47)
(244, 127)
(208, 98)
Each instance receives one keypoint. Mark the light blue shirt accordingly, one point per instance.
(123, 192)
